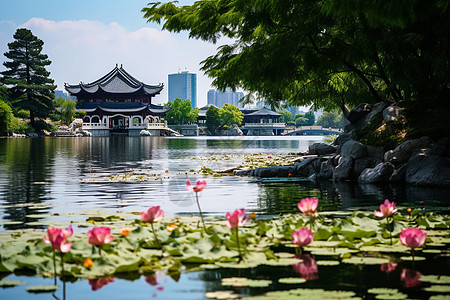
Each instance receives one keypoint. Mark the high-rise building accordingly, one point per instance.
(219, 98)
(183, 85)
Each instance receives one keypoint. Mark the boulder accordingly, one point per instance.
(353, 149)
(144, 132)
(358, 112)
(307, 167)
(399, 175)
(377, 153)
(276, 171)
(381, 173)
(391, 113)
(428, 170)
(242, 172)
(321, 149)
(342, 139)
(326, 170)
(236, 131)
(361, 164)
(366, 119)
(344, 169)
(403, 152)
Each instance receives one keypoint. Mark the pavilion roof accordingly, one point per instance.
(264, 112)
(124, 107)
(116, 82)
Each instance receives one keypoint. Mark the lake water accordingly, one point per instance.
(43, 176)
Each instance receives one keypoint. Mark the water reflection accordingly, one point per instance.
(308, 268)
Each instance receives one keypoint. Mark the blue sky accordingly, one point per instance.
(85, 39)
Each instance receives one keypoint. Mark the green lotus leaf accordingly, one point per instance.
(413, 258)
(41, 288)
(391, 296)
(328, 263)
(330, 251)
(222, 295)
(382, 291)
(240, 282)
(284, 255)
(282, 262)
(365, 260)
(433, 251)
(438, 289)
(440, 279)
(386, 248)
(292, 280)
(439, 297)
(10, 283)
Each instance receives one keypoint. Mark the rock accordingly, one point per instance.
(344, 169)
(342, 139)
(377, 153)
(145, 133)
(335, 160)
(403, 152)
(321, 149)
(32, 135)
(277, 171)
(399, 175)
(307, 167)
(358, 112)
(236, 131)
(381, 173)
(428, 170)
(367, 119)
(391, 113)
(353, 149)
(326, 170)
(242, 172)
(361, 164)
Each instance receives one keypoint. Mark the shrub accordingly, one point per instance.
(6, 116)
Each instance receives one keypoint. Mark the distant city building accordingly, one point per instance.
(183, 85)
(59, 93)
(219, 98)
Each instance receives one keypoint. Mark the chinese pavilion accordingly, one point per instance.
(118, 103)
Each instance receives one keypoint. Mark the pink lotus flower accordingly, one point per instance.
(410, 278)
(308, 268)
(302, 237)
(308, 206)
(236, 218)
(99, 236)
(57, 238)
(388, 268)
(201, 184)
(412, 237)
(98, 283)
(153, 214)
(387, 209)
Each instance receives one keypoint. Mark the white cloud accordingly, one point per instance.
(84, 50)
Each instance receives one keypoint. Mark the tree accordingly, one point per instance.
(68, 111)
(230, 115)
(328, 53)
(286, 116)
(311, 118)
(212, 119)
(28, 81)
(6, 117)
(181, 112)
(332, 119)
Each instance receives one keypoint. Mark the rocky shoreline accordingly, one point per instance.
(420, 162)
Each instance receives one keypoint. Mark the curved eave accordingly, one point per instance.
(118, 110)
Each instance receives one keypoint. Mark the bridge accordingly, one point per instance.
(311, 130)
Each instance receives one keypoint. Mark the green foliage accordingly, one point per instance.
(19, 126)
(327, 53)
(378, 133)
(68, 111)
(212, 119)
(230, 115)
(31, 88)
(6, 116)
(24, 114)
(286, 116)
(181, 112)
(333, 119)
(80, 114)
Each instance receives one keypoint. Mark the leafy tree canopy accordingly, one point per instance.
(327, 53)
(6, 117)
(212, 119)
(181, 112)
(28, 81)
(230, 115)
(332, 119)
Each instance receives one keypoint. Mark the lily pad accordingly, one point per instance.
(241, 281)
(365, 260)
(439, 279)
(328, 262)
(283, 262)
(410, 258)
(11, 283)
(382, 291)
(438, 289)
(222, 295)
(391, 296)
(291, 280)
(42, 288)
